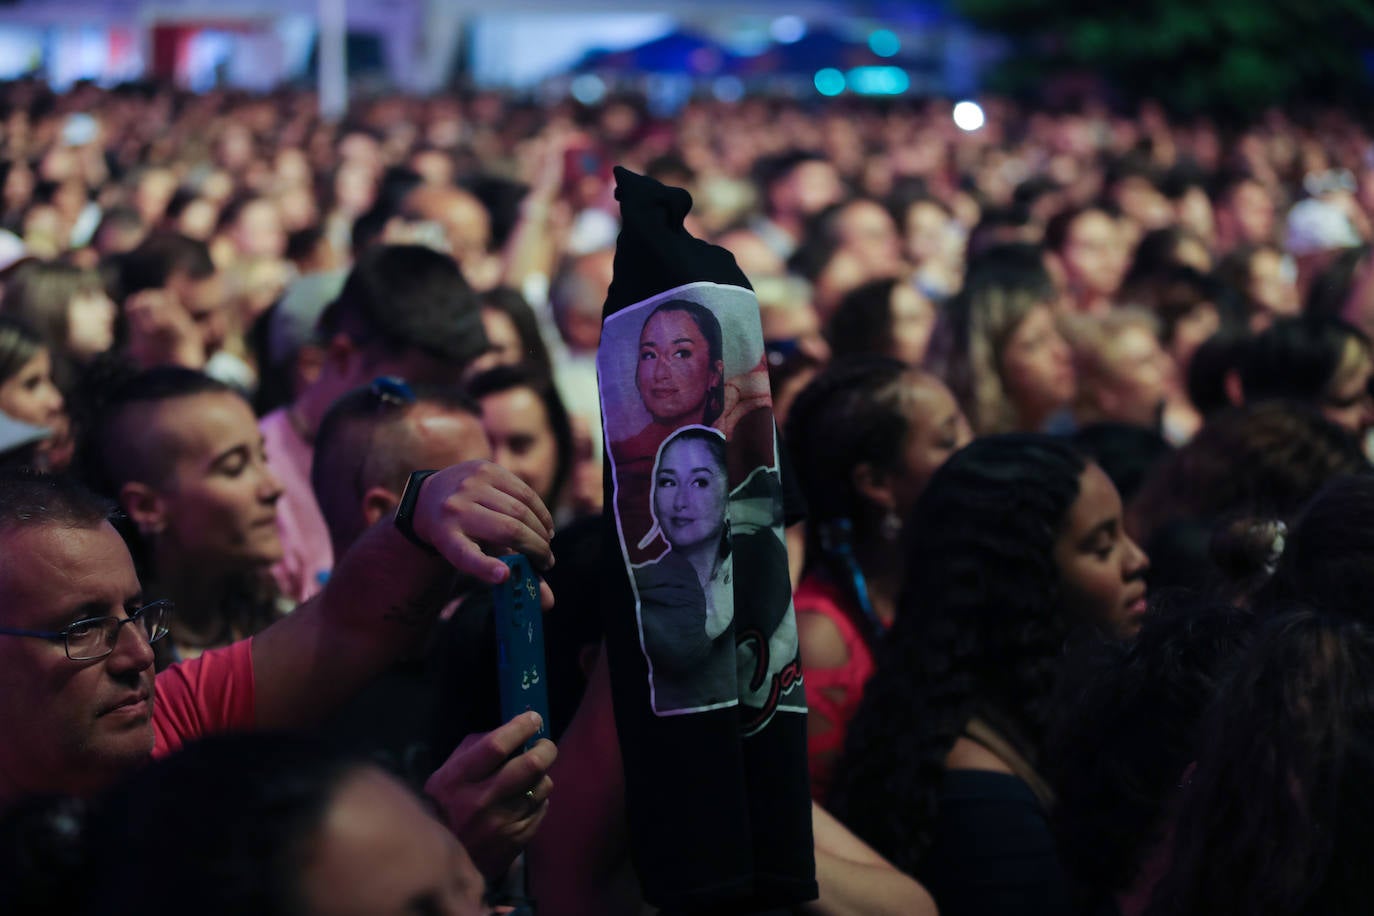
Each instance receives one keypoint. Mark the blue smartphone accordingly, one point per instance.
(520, 645)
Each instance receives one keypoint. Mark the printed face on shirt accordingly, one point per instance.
(690, 494)
(70, 726)
(377, 852)
(675, 370)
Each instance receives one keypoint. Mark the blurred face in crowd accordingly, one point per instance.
(235, 148)
(1192, 331)
(1349, 402)
(1037, 367)
(506, 347)
(1101, 570)
(807, 190)
(937, 429)
(1140, 200)
(297, 209)
(1094, 256)
(522, 439)
(867, 230)
(752, 254)
(30, 395)
(354, 187)
(799, 323)
(90, 324)
(913, 321)
(1194, 212)
(434, 167)
(70, 726)
(1251, 210)
(465, 222)
(203, 300)
(1138, 376)
(217, 507)
(675, 371)
(927, 232)
(258, 230)
(1272, 285)
(1193, 253)
(198, 219)
(690, 495)
(152, 194)
(378, 852)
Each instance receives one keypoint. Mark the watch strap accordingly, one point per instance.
(405, 510)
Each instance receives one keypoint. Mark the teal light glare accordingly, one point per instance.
(878, 80)
(829, 81)
(884, 43)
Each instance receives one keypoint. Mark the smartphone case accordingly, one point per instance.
(520, 645)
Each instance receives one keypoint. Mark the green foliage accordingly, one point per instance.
(1236, 55)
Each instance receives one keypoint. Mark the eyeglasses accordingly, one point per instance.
(96, 637)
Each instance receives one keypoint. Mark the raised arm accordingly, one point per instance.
(386, 591)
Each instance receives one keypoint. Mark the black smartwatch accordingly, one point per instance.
(405, 510)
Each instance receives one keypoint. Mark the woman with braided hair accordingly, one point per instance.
(865, 436)
(1015, 545)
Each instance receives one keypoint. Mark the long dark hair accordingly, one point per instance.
(510, 303)
(18, 345)
(1297, 358)
(862, 322)
(1275, 818)
(1263, 460)
(848, 415)
(1127, 718)
(709, 326)
(1328, 552)
(978, 633)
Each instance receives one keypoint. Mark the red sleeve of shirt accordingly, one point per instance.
(211, 693)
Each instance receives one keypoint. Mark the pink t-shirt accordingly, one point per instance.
(309, 555)
(210, 693)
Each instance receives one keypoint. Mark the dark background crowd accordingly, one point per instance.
(1079, 404)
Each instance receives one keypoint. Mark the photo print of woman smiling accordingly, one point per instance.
(690, 433)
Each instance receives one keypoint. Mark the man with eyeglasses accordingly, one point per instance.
(79, 703)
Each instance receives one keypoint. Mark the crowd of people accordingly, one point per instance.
(1080, 406)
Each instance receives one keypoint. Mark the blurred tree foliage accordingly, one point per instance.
(1237, 55)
